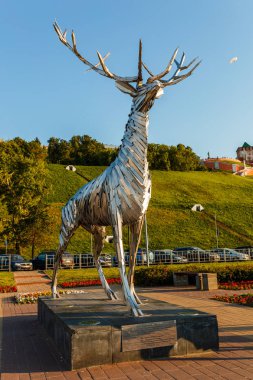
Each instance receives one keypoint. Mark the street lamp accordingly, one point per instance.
(216, 231)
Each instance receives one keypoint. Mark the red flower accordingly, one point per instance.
(8, 289)
(74, 284)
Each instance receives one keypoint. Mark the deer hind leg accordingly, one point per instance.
(99, 237)
(117, 233)
(135, 230)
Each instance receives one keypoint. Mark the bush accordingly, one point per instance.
(154, 276)
(163, 274)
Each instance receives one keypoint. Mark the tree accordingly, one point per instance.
(37, 226)
(183, 158)
(158, 157)
(22, 187)
(79, 150)
(59, 151)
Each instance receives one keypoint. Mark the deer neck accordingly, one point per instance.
(133, 149)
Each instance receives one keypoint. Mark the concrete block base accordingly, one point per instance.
(88, 330)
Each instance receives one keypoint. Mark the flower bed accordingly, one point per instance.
(33, 297)
(240, 285)
(241, 299)
(74, 284)
(8, 289)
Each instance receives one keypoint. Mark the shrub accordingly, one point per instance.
(154, 276)
(163, 274)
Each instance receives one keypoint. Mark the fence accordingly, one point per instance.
(5, 263)
(160, 257)
(86, 260)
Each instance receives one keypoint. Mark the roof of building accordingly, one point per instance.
(246, 145)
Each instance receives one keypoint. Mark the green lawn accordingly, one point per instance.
(6, 279)
(171, 223)
(83, 274)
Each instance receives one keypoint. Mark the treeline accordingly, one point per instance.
(79, 150)
(24, 216)
(84, 150)
(180, 158)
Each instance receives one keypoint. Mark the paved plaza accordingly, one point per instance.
(27, 352)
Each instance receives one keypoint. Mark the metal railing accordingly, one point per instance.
(5, 263)
(156, 257)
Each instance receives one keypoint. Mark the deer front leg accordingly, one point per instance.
(117, 233)
(55, 293)
(135, 230)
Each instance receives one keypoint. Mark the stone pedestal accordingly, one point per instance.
(210, 281)
(90, 330)
(206, 281)
(180, 279)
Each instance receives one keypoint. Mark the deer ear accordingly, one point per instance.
(126, 88)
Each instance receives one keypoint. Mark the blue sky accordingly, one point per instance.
(46, 92)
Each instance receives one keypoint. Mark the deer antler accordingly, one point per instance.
(178, 78)
(98, 64)
(104, 71)
(166, 71)
(147, 69)
(139, 82)
(175, 78)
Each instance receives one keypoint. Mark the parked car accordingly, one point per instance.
(46, 260)
(230, 254)
(197, 254)
(167, 256)
(141, 258)
(19, 263)
(67, 261)
(246, 249)
(4, 261)
(105, 260)
(87, 260)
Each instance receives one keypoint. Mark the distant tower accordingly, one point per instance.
(245, 153)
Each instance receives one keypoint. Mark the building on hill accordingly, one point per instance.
(245, 153)
(247, 171)
(229, 164)
(224, 163)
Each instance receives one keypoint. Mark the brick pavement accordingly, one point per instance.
(27, 352)
(31, 281)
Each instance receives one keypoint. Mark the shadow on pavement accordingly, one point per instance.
(26, 347)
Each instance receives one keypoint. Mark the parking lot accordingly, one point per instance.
(45, 260)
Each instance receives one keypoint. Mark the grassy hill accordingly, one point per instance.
(171, 222)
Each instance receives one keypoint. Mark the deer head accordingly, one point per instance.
(143, 94)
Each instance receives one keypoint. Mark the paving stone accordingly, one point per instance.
(23, 338)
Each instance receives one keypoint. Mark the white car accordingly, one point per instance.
(227, 254)
(167, 256)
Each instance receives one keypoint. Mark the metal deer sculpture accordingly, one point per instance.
(121, 194)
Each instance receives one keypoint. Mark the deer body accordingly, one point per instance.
(127, 179)
(121, 194)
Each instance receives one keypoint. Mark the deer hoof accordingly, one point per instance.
(55, 294)
(111, 295)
